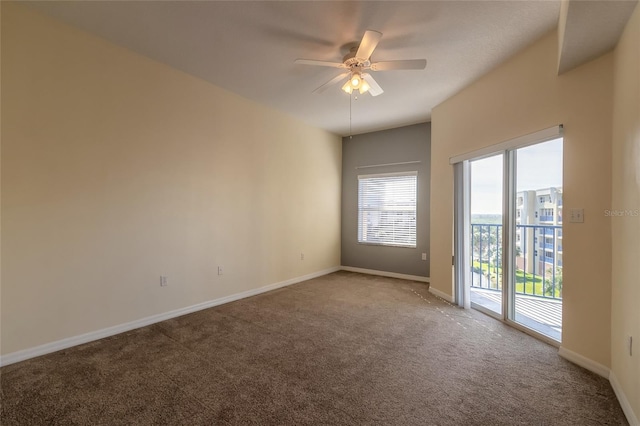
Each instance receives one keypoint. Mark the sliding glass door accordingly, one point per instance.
(509, 235)
(538, 238)
(486, 176)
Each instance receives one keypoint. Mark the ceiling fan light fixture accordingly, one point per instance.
(347, 87)
(364, 87)
(356, 80)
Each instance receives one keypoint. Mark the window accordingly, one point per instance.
(387, 209)
(546, 214)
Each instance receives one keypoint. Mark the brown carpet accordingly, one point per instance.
(342, 349)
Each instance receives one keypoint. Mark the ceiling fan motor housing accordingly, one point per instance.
(352, 62)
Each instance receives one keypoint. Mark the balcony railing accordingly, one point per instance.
(535, 274)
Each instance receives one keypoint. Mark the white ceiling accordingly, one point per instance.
(248, 47)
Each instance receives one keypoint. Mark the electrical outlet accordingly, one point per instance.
(301, 256)
(219, 270)
(163, 281)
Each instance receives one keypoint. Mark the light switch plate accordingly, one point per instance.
(576, 215)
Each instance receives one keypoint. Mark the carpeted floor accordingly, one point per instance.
(344, 349)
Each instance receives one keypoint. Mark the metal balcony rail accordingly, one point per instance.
(538, 269)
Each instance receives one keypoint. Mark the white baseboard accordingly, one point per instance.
(584, 362)
(624, 402)
(386, 274)
(608, 374)
(441, 294)
(401, 276)
(58, 345)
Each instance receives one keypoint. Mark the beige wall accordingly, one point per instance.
(521, 96)
(625, 318)
(117, 169)
(0, 175)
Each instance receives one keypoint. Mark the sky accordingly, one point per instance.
(537, 166)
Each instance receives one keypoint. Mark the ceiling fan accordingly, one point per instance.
(357, 61)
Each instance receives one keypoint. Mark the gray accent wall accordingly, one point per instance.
(410, 143)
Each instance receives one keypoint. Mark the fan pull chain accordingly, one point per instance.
(350, 135)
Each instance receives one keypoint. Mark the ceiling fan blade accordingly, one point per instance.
(374, 87)
(368, 44)
(331, 82)
(407, 64)
(320, 63)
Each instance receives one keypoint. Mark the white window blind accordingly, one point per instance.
(387, 209)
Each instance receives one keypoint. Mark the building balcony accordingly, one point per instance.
(538, 274)
(541, 315)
